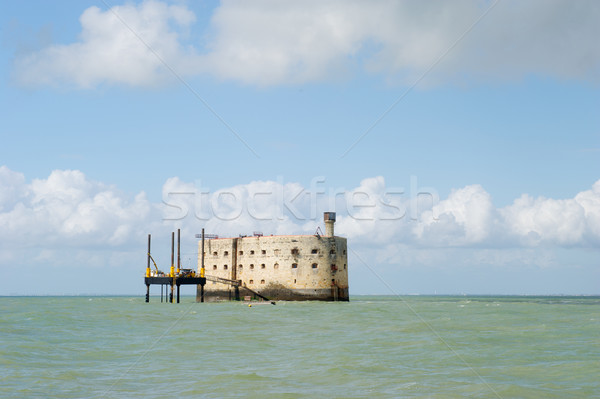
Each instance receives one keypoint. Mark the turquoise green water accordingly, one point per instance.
(372, 347)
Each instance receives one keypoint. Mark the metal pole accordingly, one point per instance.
(172, 265)
(202, 269)
(202, 265)
(148, 272)
(178, 251)
(172, 254)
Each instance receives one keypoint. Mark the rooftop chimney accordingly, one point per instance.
(329, 218)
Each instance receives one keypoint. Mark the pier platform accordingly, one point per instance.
(173, 282)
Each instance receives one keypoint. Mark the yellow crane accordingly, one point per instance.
(158, 272)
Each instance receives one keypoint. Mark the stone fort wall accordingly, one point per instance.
(296, 267)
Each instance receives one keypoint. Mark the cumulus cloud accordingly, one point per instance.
(269, 206)
(113, 48)
(376, 214)
(466, 217)
(67, 209)
(267, 42)
(69, 212)
(565, 222)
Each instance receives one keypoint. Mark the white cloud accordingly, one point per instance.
(466, 217)
(376, 215)
(266, 42)
(269, 42)
(272, 207)
(109, 52)
(568, 222)
(67, 212)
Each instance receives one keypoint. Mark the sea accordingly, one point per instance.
(370, 347)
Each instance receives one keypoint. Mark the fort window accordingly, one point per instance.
(225, 253)
(344, 252)
(344, 266)
(314, 265)
(252, 252)
(251, 281)
(252, 266)
(241, 252)
(276, 266)
(240, 267)
(264, 251)
(294, 281)
(262, 281)
(333, 281)
(295, 251)
(294, 265)
(214, 267)
(314, 251)
(276, 251)
(224, 267)
(333, 267)
(262, 266)
(332, 252)
(215, 253)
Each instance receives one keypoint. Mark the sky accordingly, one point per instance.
(459, 143)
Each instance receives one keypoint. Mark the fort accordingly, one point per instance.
(291, 267)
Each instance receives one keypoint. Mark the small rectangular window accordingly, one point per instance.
(264, 251)
(314, 265)
(215, 253)
(295, 251)
(294, 265)
(314, 251)
(252, 252)
(262, 266)
(241, 252)
(251, 281)
(262, 281)
(225, 253)
(224, 267)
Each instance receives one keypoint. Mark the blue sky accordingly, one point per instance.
(108, 113)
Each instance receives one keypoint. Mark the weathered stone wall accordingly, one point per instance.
(284, 267)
